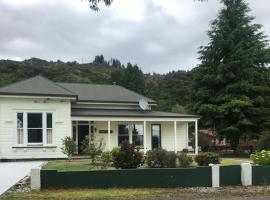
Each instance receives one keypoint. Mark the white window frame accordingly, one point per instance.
(130, 134)
(44, 127)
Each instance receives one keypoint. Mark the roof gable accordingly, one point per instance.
(36, 86)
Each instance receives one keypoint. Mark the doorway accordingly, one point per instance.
(156, 136)
(83, 130)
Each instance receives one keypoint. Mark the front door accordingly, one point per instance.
(83, 130)
(156, 136)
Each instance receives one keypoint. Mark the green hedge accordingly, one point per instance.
(189, 177)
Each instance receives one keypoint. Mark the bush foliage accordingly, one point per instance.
(261, 158)
(206, 158)
(127, 157)
(184, 160)
(93, 147)
(160, 158)
(106, 158)
(69, 147)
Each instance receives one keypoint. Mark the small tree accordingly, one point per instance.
(69, 147)
(92, 147)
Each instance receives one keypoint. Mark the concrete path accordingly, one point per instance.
(13, 172)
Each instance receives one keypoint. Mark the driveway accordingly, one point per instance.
(13, 172)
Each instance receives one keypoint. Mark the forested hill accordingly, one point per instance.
(169, 90)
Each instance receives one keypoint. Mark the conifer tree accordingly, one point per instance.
(231, 86)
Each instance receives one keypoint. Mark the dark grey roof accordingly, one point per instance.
(103, 93)
(82, 112)
(36, 86)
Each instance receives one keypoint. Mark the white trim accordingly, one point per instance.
(36, 97)
(175, 136)
(144, 137)
(25, 127)
(109, 135)
(196, 137)
(187, 130)
(137, 119)
(110, 103)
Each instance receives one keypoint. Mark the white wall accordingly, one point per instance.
(61, 123)
(167, 134)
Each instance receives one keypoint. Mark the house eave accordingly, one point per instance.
(42, 96)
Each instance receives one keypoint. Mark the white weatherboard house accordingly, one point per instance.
(36, 114)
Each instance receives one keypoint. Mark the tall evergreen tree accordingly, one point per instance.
(231, 86)
(133, 78)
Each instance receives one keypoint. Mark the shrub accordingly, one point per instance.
(115, 150)
(206, 158)
(261, 158)
(106, 158)
(184, 160)
(69, 147)
(127, 157)
(185, 150)
(264, 142)
(160, 158)
(92, 147)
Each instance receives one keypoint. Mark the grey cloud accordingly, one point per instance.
(158, 41)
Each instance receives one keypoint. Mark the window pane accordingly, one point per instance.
(123, 133)
(137, 129)
(34, 120)
(19, 120)
(156, 137)
(49, 136)
(122, 139)
(34, 135)
(19, 136)
(49, 120)
(123, 129)
(137, 134)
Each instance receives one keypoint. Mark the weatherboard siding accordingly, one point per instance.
(61, 123)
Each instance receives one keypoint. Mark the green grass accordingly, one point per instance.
(228, 161)
(143, 194)
(93, 194)
(72, 165)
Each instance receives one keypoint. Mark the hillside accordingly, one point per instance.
(169, 90)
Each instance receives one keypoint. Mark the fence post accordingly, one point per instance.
(215, 175)
(35, 179)
(246, 174)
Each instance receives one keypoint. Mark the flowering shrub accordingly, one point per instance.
(261, 158)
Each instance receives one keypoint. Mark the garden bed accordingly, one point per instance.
(85, 164)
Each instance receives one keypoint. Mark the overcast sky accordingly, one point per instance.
(158, 35)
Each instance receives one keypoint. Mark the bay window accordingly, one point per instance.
(34, 128)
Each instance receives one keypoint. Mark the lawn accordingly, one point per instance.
(85, 164)
(72, 165)
(230, 161)
(144, 194)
